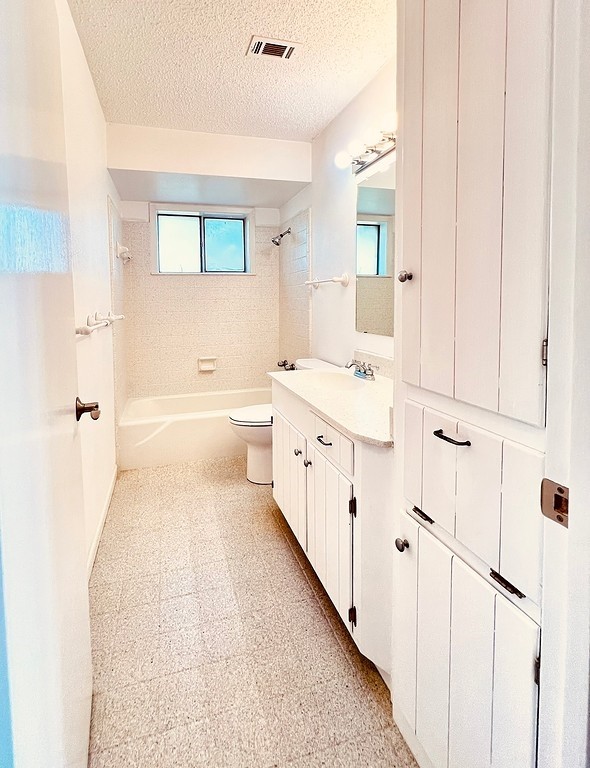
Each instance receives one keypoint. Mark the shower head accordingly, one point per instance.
(277, 240)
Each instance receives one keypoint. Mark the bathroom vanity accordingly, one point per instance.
(333, 470)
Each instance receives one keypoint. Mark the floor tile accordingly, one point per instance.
(215, 644)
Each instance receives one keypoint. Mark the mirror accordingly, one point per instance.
(375, 211)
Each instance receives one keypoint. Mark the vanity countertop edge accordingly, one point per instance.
(347, 411)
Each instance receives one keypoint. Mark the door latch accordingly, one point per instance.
(555, 501)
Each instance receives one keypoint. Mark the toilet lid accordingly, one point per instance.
(253, 415)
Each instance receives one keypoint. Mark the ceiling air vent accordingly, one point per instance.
(279, 49)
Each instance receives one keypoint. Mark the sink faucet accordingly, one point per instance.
(363, 370)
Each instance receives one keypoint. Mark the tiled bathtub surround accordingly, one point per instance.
(172, 320)
(213, 642)
(294, 295)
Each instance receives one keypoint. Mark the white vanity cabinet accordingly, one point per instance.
(476, 141)
(335, 493)
(464, 680)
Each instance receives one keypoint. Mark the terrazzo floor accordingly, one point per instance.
(214, 644)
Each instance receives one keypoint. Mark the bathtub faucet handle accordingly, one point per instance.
(283, 363)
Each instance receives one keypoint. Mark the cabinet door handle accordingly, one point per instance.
(320, 439)
(439, 433)
(403, 276)
(306, 463)
(402, 544)
(297, 452)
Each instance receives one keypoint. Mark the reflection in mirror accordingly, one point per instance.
(375, 250)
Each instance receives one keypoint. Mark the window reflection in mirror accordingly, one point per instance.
(375, 250)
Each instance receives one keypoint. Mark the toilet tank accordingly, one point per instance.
(313, 363)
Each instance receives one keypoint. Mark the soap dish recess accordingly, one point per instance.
(207, 363)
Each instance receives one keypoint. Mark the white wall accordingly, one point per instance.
(294, 295)
(89, 184)
(334, 219)
(135, 147)
(172, 320)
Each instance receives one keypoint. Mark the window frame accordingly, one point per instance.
(246, 215)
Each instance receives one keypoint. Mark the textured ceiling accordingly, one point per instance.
(182, 63)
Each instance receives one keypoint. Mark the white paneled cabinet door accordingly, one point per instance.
(440, 468)
(477, 91)
(330, 529)
(289, 476)
(433, 648)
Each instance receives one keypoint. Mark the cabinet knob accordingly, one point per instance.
(306, 463)
(297, 452)
(402, 544)
(404, 275)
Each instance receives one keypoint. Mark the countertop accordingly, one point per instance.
(361, 412)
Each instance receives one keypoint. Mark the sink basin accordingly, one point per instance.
(337, 381)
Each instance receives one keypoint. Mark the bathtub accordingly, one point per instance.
(163, 430)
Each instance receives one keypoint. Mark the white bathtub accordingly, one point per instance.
(163, 430)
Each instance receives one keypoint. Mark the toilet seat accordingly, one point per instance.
(252, 416)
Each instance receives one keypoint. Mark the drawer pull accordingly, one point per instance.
(439, 433)
(320, 439)
(297, 452)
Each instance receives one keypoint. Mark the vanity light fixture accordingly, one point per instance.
(374, 152)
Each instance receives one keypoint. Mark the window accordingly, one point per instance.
(192, 242)
(371, 248)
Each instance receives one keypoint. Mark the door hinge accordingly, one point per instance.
(352, 615)
(272, 483)
(544, 351)
(352, 506)
(423, 515)
(538, 670)
(272, 420)
(506, 584)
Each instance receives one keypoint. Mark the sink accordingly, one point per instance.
(336, 381)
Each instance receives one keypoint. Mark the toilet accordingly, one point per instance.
(253, 424)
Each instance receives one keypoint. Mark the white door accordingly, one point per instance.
(41, 514)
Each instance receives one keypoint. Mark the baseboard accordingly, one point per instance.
(100, 526)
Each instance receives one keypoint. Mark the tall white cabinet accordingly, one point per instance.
(475, 140)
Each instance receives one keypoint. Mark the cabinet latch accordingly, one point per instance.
(423, 515)
(506, 584)
(352, 615)
(352, 506)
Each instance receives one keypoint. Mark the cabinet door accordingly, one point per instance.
(330, 529)
(439, 472)
(472, 669)
(406, 613)
(433, 648)
(514, 736)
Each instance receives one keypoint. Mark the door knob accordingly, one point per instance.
(402, 544)
(403, 276)
(91, 408)
(297, 452)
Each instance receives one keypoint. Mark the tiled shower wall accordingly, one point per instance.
(118, 272)
(294, 295)
(172, 320)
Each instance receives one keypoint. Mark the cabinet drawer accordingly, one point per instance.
(333, 444)
(481, 488)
